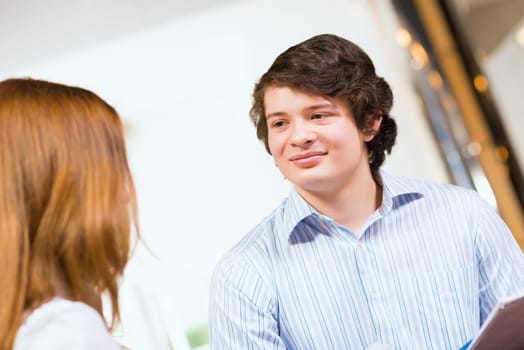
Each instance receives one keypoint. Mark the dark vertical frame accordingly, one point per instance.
(435, 27)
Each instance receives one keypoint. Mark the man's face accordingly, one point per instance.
(314, 140)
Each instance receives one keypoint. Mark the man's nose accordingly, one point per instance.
(302, 134)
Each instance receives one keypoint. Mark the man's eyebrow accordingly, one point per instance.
(275, 114)
(314, 107)
(326, 104)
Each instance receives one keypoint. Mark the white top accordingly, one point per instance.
(62, 324)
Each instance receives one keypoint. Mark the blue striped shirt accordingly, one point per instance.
(432, 262)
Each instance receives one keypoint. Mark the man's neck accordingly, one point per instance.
(349, 206)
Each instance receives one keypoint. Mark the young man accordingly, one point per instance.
(354, 257)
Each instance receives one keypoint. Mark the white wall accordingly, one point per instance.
(183, 88)
(508, 87)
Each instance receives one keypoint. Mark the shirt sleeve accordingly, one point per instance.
(64, 325)
(501, 262)
(242, 313)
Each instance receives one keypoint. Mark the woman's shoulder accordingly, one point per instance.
(64, 324)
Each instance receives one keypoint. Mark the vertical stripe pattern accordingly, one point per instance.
(431, 263)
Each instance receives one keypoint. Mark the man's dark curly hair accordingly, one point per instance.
(332, 66)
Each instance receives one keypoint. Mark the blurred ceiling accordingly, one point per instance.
(489, 22)
(33, 30)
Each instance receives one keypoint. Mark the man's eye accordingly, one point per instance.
(318, 116)
(278, 124)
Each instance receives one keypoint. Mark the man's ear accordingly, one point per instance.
(374, 125)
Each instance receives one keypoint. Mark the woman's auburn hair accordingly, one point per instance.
(67, 200)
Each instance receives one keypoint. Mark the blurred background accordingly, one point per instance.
(181, 73)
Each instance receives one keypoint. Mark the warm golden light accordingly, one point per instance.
(502, 153)
(519, 36)
(434, 79)
(481, 83)
(419, 54)
(403, 37)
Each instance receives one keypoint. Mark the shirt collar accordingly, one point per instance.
(297, 210)
(396, 193)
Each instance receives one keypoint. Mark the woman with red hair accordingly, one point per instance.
(67, 207)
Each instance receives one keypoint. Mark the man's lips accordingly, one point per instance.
(303, 156)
